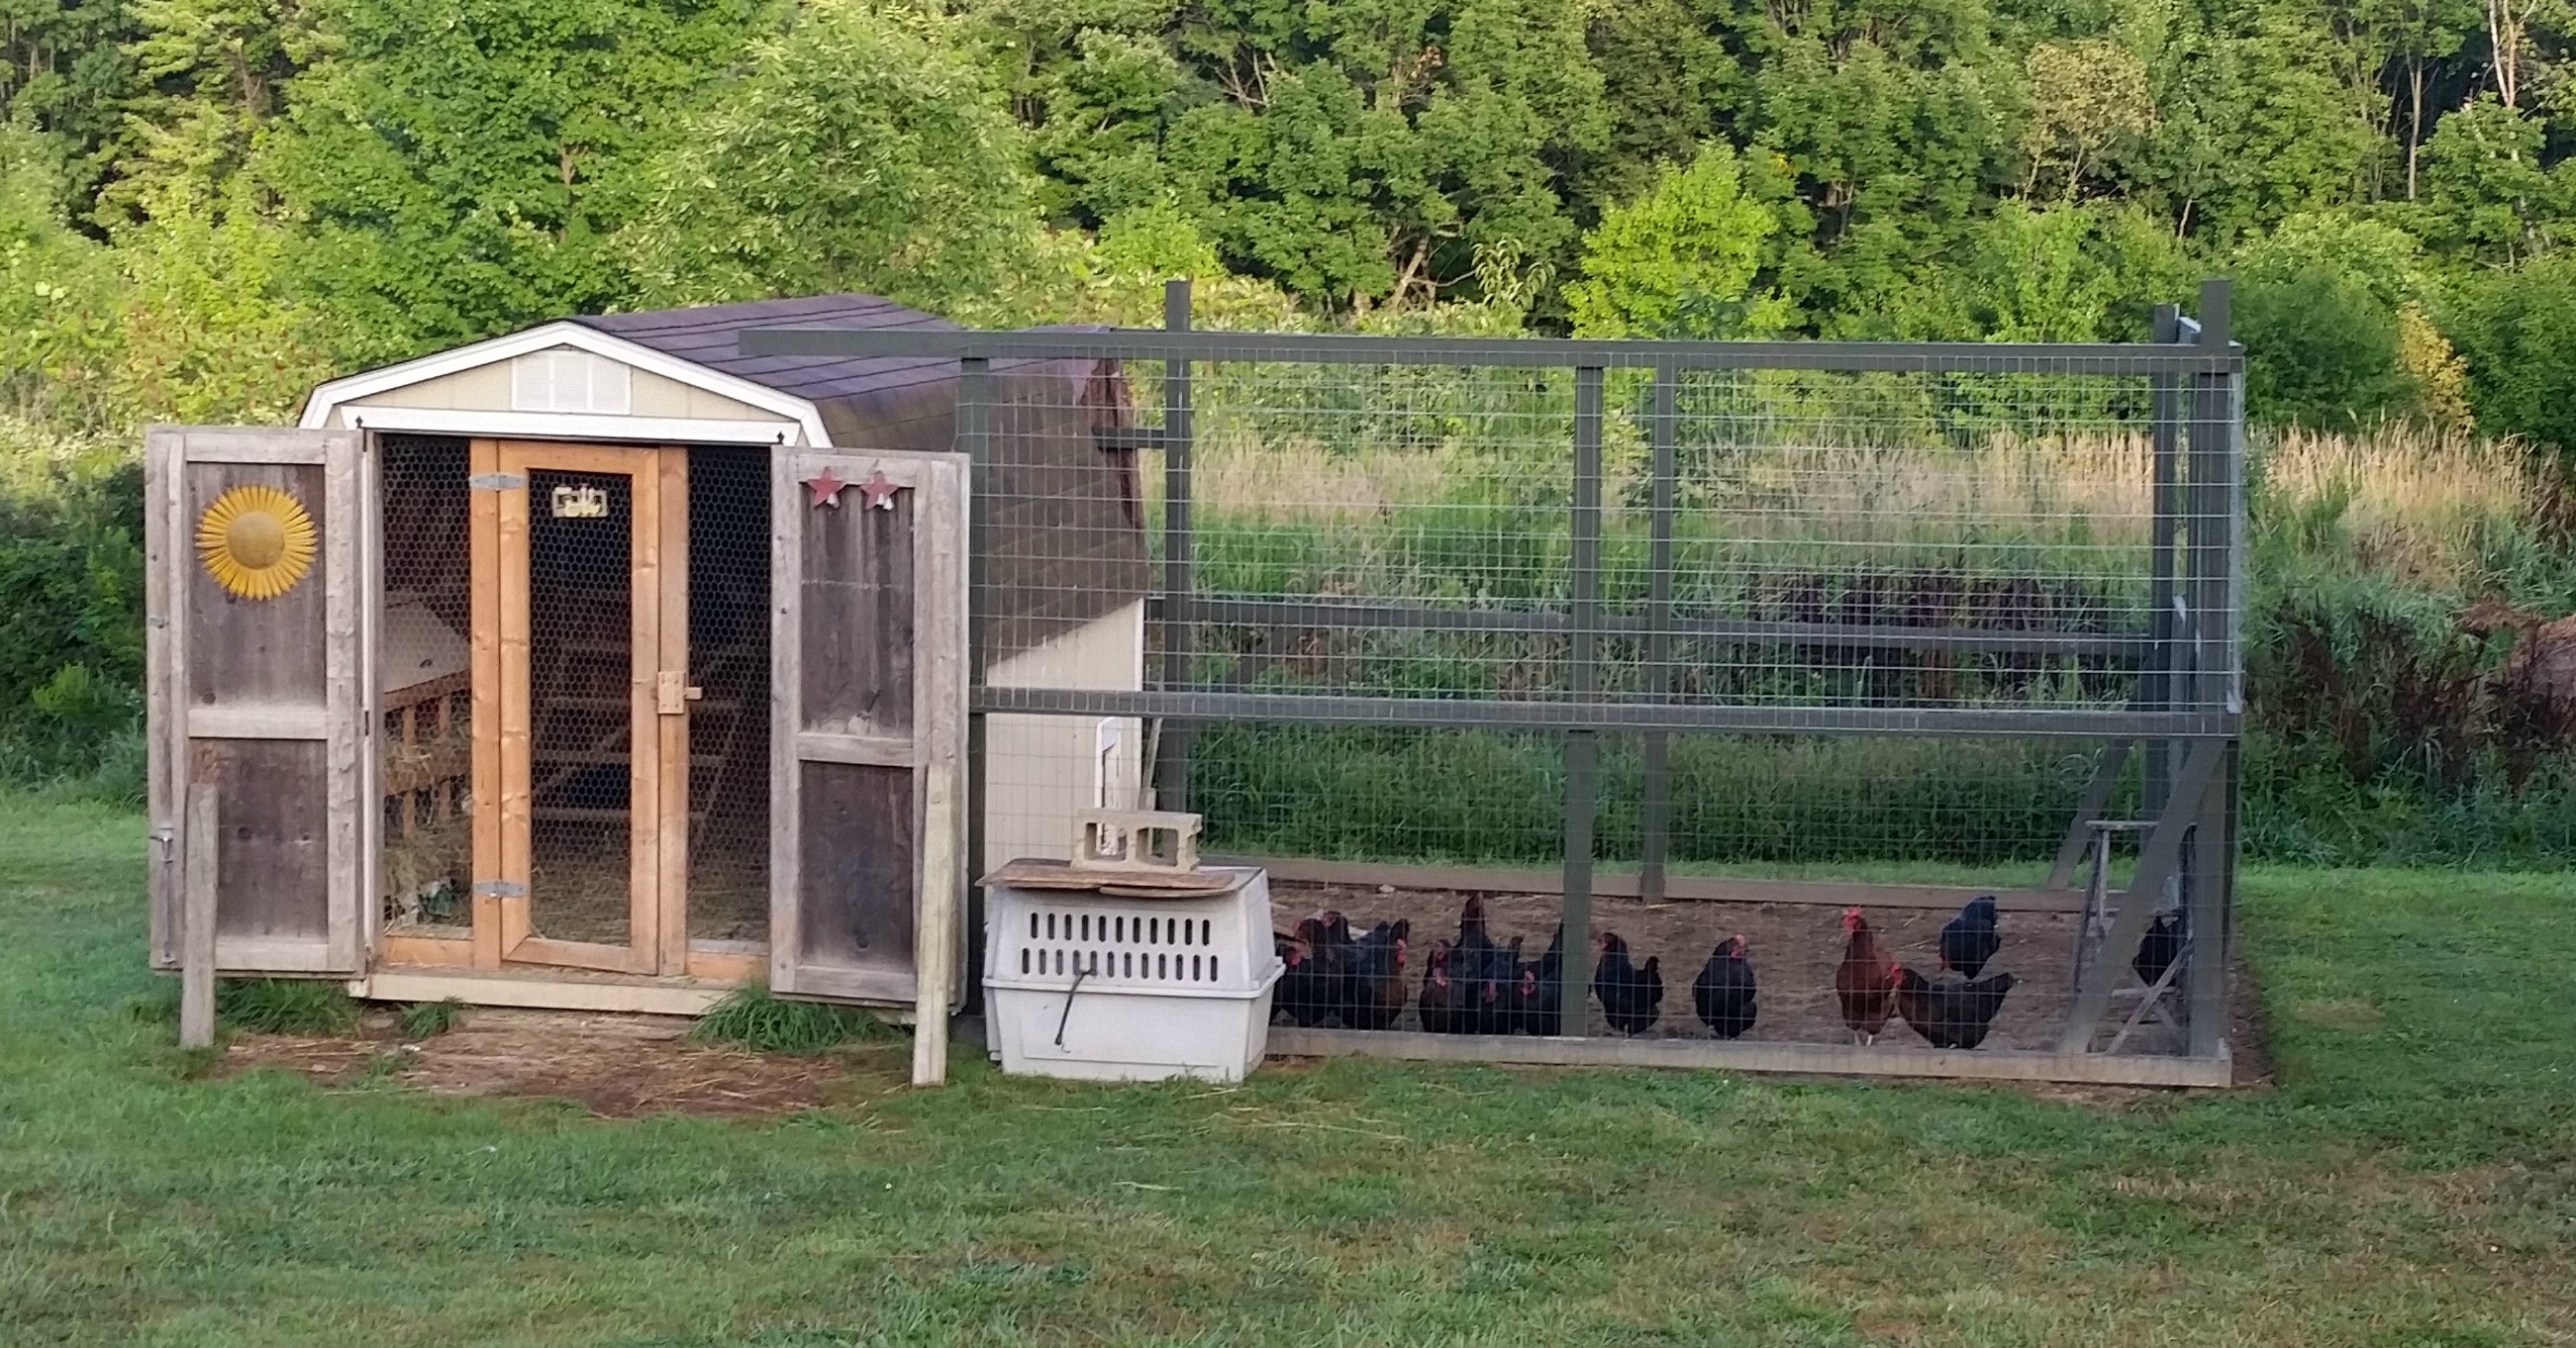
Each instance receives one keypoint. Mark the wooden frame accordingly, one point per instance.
(272, 689)
(657, 773)
(933, 488)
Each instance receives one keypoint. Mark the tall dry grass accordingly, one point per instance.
(2416, 503)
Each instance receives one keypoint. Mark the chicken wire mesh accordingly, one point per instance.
(426, 731)
(1841, 617)
(728, 844)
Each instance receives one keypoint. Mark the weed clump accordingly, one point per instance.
(749, 1016)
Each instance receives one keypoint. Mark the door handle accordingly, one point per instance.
(672, 696)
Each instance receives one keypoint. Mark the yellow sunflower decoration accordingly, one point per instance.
(256, 541)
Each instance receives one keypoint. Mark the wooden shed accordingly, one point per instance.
(600, 666)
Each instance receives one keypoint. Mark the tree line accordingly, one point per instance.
(207, 204)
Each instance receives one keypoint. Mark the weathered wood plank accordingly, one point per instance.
(879, 751)
(645, 583)
(940, 622)
(786, 683)
(165, 734)
(269, 651)
(555, 992)
(346, 593)
(856, 893)
(856, 632)
(274, 882)
(197, 920)
(1749, 1056)
(258, 444)
(434, 951)
(260, 721)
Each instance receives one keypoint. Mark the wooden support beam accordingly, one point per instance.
(199, 844)
(2157, 860)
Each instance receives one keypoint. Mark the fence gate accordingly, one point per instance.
(253, 572)
(867, 647)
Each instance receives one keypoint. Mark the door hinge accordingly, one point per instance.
(497, 481)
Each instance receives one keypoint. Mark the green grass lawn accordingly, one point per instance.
(2411, 1181)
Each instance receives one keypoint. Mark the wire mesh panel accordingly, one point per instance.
(424, 671)
(729, 664)
(1513, 658)
(581, 704)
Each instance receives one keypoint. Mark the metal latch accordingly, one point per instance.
(501, 889)
(672, 696)
(497, 481)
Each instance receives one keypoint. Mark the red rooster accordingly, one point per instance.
(1865, 982)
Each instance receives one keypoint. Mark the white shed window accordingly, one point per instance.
(566, 380)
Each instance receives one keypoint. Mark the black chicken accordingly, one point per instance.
(1970, 939)
(1540, 992)
(1442, 993)
(1303, 994)
(1723, 992)
(1632, 998)
(1486, 971)
(2158, 950)
(1373, 995)
(1950, 1015)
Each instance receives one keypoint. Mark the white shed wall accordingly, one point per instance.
(1042, 769)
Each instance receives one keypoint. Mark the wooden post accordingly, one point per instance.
(1172, 742)
(1655, 770)
(200, 844)
(941, 603)
(1582, 747)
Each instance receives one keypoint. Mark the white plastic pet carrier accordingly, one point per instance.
(1110, 977)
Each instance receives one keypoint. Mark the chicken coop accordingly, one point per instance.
(1809, 706)
(604, 666)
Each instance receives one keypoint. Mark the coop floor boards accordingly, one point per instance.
(551, 989)
(2095, 1069)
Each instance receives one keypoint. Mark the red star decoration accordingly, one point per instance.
(880, 493)
(826, 489)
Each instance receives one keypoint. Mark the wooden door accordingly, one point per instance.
(868, 648)
(254, 581)
(580, 709)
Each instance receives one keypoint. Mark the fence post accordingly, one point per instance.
(2156, 683)
(2217, 454)
(1654, 812)
(1582, 747)
(975, 441)
(1171, 739)
(199, 849)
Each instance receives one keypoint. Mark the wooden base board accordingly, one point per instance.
(554, 990)
(1678, 888)
(2097, 1069)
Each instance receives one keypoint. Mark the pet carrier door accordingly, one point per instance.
(254, 575)
(581, 705)
(868, 649)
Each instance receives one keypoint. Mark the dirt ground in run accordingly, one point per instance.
(1794, 948)
(614, 1065)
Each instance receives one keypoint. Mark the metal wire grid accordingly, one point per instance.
(1406, 609)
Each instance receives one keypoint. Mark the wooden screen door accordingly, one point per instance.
(868, 662)
(581, 709)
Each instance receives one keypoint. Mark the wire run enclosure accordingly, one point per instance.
(1659, 644)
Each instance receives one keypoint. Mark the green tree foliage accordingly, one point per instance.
(1681, 260)
(860, 152)
(2517, 329)
(459, 167)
